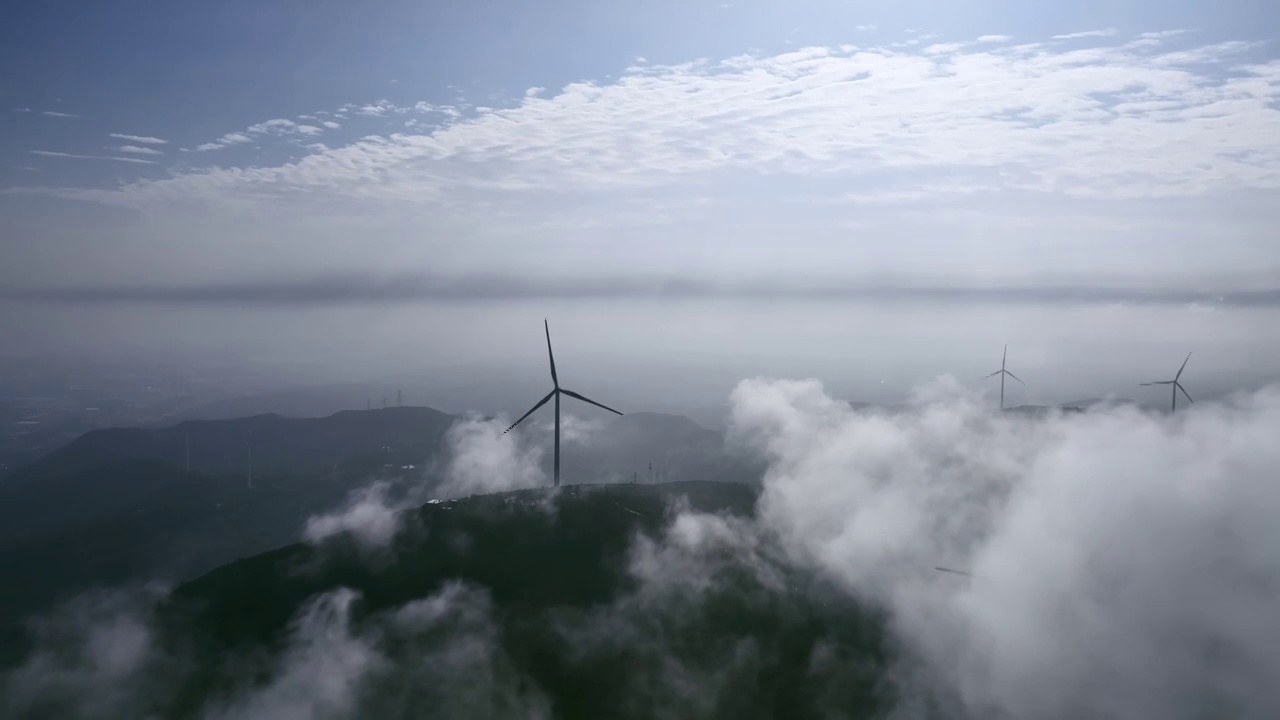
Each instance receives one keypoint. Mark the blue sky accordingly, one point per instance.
(1087, 143)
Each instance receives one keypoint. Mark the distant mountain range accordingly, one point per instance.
(311, 401)
(119, 503)
(272, 442)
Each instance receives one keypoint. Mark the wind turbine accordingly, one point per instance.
(1002, 372)
(1173, 406)
(556, 392)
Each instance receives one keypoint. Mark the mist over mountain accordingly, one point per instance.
(1100, 550)
(120, 504)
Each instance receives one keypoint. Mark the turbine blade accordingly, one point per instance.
(550, 355)
(1015, 377)
(1160, 382)
(1004, 356)
(1184, 367)
(984, 377)
(573, 394)
(541, 402)
(1184, 392)
(954, 572)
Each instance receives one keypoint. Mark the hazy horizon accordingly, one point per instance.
(685, 356)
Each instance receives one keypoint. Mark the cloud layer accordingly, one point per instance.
(1123, 564)
(401, 288)
(943, 160)
(1094, 121)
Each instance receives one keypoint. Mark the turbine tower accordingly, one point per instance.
(556, 392)
(1002, 372)
(1173, 406)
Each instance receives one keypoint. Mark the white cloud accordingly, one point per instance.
(484, 459)
(1061, 136)
(446, 110)
(234, 138)
(331, 124)
(1086, 34)
(281, 126)
(137, 150)
(369, 515)
(22, 109)
(319, 673)
(51, 113)
(445, 646)
(1161, 34)
(277, 127)
(994, 38)
(51, 153)
(104, 655)
(1152, 39)
(94, 656)
(1054, 120)
(865, 28)
(942, 48)
(143, 139)
(1123, 564)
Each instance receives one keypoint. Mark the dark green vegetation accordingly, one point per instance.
(574, 630)
(118, 504)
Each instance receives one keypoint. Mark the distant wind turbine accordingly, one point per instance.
(1173, 406)
(556, 392)
(1002, 372)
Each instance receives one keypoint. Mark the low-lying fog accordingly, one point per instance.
(685, 356)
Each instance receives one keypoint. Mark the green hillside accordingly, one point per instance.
(574, 632)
